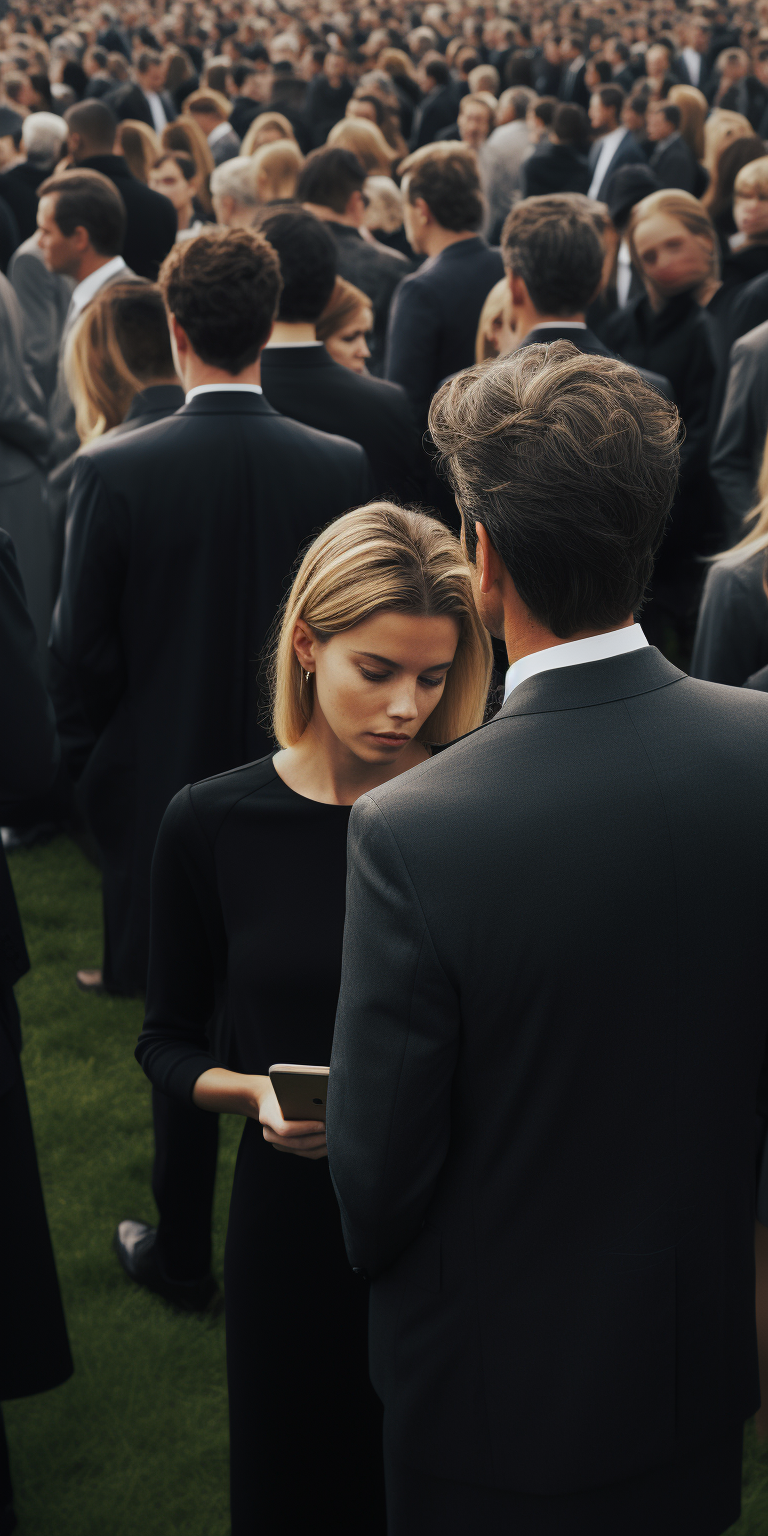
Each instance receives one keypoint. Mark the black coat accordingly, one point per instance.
(544, 1146)
(151, 225)
(681, 343)
(732, 631)
(675, 165)
(34, 1349)
(308, 385)
(129, 102)
(555, 168)
(585, 340)
(18, 188)
(244, 110)
(437, 110)
(324, 105)
(181, 537)
(434, 318)
(9, 234)
(152, 404)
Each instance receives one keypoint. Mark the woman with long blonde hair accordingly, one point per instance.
(694, 107)
(267, 128)
(140, 147)
(378, 652)
(366, 141)
(117, 349)
(186, 137)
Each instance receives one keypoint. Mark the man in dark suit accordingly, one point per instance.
(572, 87)
(694, 62)
(42, 139)
(327, 96)
(543, 1145)
(331, 186)
(671, 159)
(438, 107)
(614, 145)
(302, 380)
(34, 1348)
(554, 256)
(435, 312)
(150, 229)
(144, 99)
(739, 444)
(180, 537)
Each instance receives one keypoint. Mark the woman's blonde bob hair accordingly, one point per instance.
(267, 128)
(100, 383)
(276, 169)
(382, 557)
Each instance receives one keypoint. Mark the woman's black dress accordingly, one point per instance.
(248, 900)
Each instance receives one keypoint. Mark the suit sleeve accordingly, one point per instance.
(733, 451)
(727, 644)
(394, 1053)
(29, 747)
(85, 634)
(41, 321)
(412, 335)
(20, 425)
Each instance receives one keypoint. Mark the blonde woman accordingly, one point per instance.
(379, 652)
(139, 145)
(694, 107)
(494, 335)
(267, 128)
(749, 254)
(186, 137)
(720, 129)
(366, 141)
(276, 170)
(345, 325)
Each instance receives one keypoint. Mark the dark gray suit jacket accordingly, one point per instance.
(737, 450)
(545, 1069)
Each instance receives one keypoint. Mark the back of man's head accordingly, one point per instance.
(307, 253)
(140, 324)
(223, 288)
(88, 200)
(612, 97)
(329, 177)
(570, 124)
(446, 177)
(437, 72)
(519, 98)
(207, 103)
(42, 138)
(94, 127)
(236, 179)
(553, 245)
(576, 512)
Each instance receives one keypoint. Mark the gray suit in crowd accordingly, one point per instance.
(501, 161)
(24, 441)
(737, 451)
(44, 298)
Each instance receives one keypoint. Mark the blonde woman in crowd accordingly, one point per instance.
(176, 176)
(345, 324)
(267, 128)
(118, 350)
(139, 145)
(276, 169)
(366, 141)
(720, 129)
(187, 138)
(494, 334)
(694, 107)
(379, 654)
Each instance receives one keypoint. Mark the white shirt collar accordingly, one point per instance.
(608, 147)
(159, 114)
(218, 133)
(558, 325)
(89, 287)
(216, 389)
(575, 653)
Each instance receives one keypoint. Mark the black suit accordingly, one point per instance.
(628, 153)
(151, 224)
(436, 111)
(585, 340)
(540, 1125)
(180, 541)
(129, 102)
(306, 383)
(555, 168)
(18, 188)
(572, 84)
(674, 164)
(150, 405)
(34, 1349)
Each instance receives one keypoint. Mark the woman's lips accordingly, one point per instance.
(389, 738)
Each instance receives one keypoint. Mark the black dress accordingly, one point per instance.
(248, 902)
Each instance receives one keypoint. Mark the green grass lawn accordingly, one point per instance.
(136, 1443)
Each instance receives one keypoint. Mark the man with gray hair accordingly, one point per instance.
(43, 136)
(233, 193)
(501, 161)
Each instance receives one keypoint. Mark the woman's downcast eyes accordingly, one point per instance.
(380, 677)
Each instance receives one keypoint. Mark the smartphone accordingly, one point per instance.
(301, 1091)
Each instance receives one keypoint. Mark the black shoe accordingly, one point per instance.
(134, 1243)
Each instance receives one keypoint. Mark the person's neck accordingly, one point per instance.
(526, 320)
(435, 239)
(90, 262)
(320, 767)
(292, 333)
(604, 132)
(330, 216)
(185, 216)
(523, 636)
(195, 372)
(172, 382)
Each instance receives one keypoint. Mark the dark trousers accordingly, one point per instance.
(700, 1495)
(183, 1181)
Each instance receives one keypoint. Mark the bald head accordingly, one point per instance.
(92, 128)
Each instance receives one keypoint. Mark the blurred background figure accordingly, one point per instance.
(345, 325)
(234, 193)
(494, 334)
(559, 163)
(175, 176)
(140, 146)
(43, 136)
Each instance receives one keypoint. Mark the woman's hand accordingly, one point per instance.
(238, 1093)
(306, 1138)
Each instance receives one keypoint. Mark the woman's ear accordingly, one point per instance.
(304, 645)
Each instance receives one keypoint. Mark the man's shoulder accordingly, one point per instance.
(753, 345)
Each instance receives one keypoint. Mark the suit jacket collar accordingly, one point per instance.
(224, 402)
(583, 340)
(591, 683)
(159, 397)
(297, 358)
(114, 167)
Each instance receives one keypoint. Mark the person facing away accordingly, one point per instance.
(180, 537)
(379, 652)
(331, 186)
(301, 379)
(600, 1059)
(558, 163)
(150, 228)
(435, 311)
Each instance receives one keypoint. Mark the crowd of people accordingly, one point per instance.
(355, 358)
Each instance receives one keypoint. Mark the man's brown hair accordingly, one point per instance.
(446, 176)
(88, 200)
(569, 461)
(553, 245)
(223, 287)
